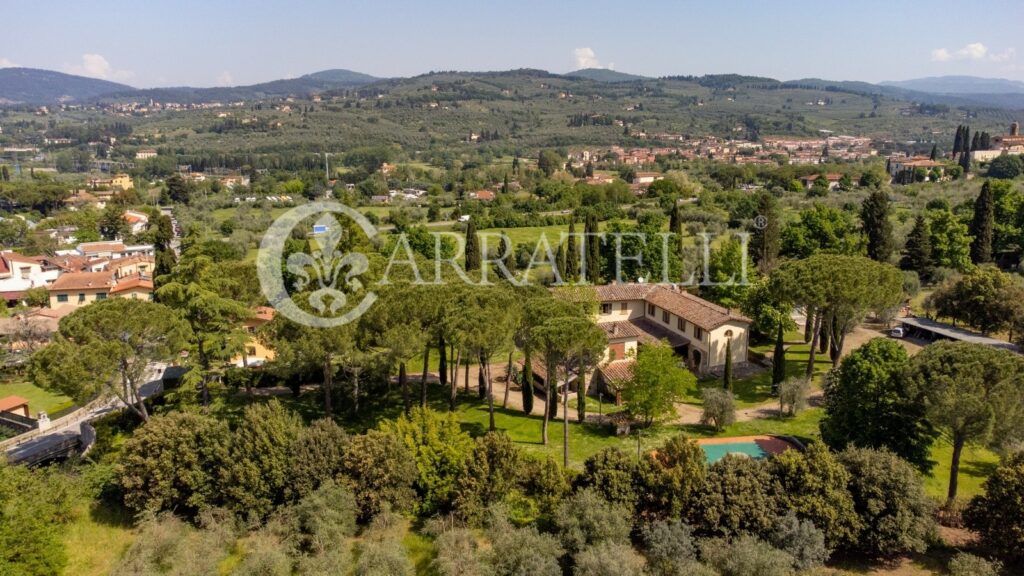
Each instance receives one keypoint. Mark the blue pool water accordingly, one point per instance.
(716, 452)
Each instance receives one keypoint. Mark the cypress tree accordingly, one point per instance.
(766, 238)
(472, 247)
(560, 264)
(958, 142)
(874, 215)
(986, 141)
(572, 256)
(982, 226)
(935, 152)
(505, 249)
(778, 362)
(527, 383)
(593, 251)
(976, 141)
(727, 372)
(675, 220)
(504, 185)
(965, 161)
(917, 254)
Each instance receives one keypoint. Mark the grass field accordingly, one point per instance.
(38, 399)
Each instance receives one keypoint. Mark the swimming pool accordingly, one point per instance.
(756, 447)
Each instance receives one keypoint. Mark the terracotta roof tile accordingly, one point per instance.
(82, 281)
(10, 402)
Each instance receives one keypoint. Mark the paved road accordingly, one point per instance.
(70, 427)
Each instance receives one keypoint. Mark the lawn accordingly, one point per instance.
(755, 390)
(976, 464)
(96, 538)
(38, 399)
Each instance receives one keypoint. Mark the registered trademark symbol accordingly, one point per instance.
(760, 222)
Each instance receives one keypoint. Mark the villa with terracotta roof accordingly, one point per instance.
(82, 288)
(699, 331)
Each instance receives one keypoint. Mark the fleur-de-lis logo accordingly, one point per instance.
(325, 267)
(327, 273)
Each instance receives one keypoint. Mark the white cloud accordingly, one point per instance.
(975, 51)
(586, 58)
(225, 79)
(6, 63)
(96, 66)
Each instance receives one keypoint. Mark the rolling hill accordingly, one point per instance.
(31, 86)
(604, 75)
(34, 86)
(960, 85)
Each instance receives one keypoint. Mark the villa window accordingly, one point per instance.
(665, 316)
(698, 332)
(650, 309)
(606, 308)
(728, 334)
(62, 298)
(623, 307)
(101, 296)
(681, 324)
(250, 350)
(81, 298)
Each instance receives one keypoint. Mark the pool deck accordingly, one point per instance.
(769, 444)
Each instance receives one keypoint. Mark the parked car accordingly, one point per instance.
(897, 332)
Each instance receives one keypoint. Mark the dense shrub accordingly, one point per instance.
(801, 540)
(613, 474)
(317, 456)
(814, 485)
(998, 513)
(172, 463)
(381, 472)
(34, 506)
(740, 496)
(586, 519)
(669, 546)
(964, 564)
(888, 497)
(609, 559)
(545, 482)
(671, 478)
(522, 551)
(166, 543)
(258, 470)
(458, 554)
(440, 450)
(492, 474)
(746, 556)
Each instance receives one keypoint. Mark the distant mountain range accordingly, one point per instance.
(960, 85)
(33, 86)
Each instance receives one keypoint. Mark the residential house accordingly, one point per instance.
(832, 178)
(136, 287)
(255, 352)
(140, 264)
(145, 154)
(137, 221)
(646, 177)
(113, 250)
(699, 331)
(482, 195)
(82, 288)
(19, 274)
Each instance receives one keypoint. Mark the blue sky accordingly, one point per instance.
(226, 42)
